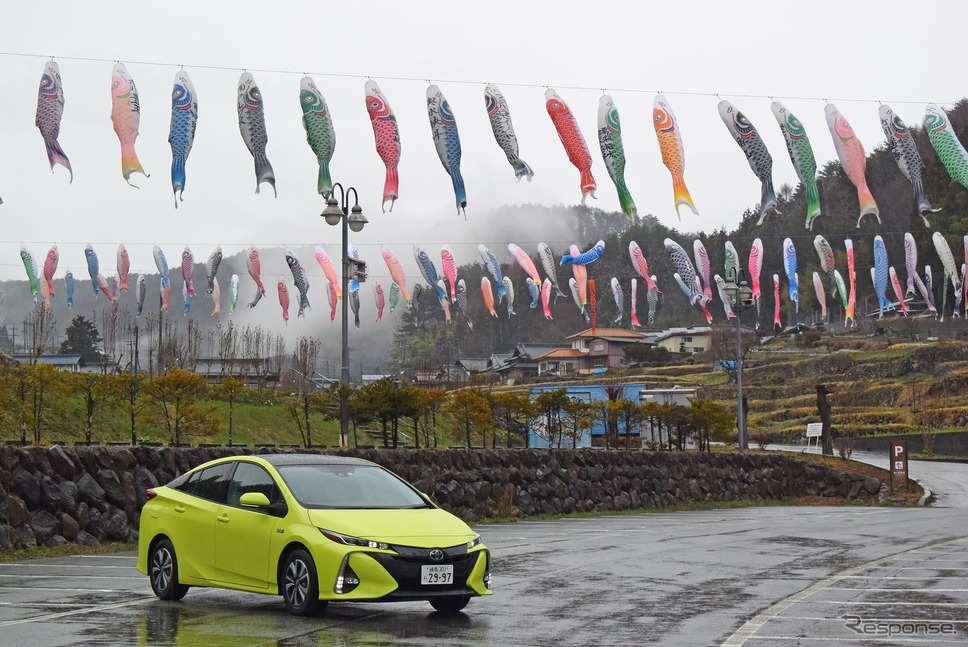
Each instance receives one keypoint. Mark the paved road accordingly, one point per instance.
(753, 576)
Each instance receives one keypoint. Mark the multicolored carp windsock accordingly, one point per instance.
(573, 141)
(328, 270)
(380, 301)
(126, 117)
(493, 267)
(105, 289)
(124, 264)
(619, 297)
(254, 266)
(449, 267)
(355, 277)
(950, 150)
(355, 307)
(721, 288)
(113, 283)
(45, 295)
(233, 292)
(801, 154)
(216, 298)
(759, 158)
(93, 267)
(777, 322)
(613, 153)
(164, 296)
(500, 116)
(443, 128)
(913, 279)
(525, 262)
(186, 299)
(881, 275)
(211, 267)
(69, 286)
(283, 299)
(162, 264)
(509, 290)
(852, 279)
(580, 273)
(898, 290)
(331, 299)
(853, 160)
(320, 135)
(534, 290)
(573, 285)
(755, 266)
(394, 297)
(929, 284)
(906, 157)
(790, 265)
(821, 296)
(181, 134)
(841, 289)
(50, 268)
(396, 273)
(652, 296)
(958, 293)
(673, 154)
(299, 280)
(731, 263)
(633, 302)
(703, 268)
(252, 126)
(488, 295)
(461, 301)
(944, 295)
(188, 270)
(639, 262)
(50, 110)
(947, 259)
(30, 266)
(687, 274)
(587, 257)
(428, 270)
(550, 267)
(386, 133)
(826, 255)
(442, 297)
(546, 299)
(141, 291)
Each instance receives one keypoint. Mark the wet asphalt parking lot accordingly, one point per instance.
(751, 576)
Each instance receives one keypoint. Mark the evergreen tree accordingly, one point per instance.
(82, 339)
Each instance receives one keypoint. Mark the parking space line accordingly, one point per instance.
(894, 639)
(76, 612)
(865, 603)
(754, 624)
(897, 590)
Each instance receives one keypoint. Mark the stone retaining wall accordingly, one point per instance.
(87, 495)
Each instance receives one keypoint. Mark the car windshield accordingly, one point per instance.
(349, 487)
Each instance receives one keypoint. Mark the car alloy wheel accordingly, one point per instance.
(300, 588)
(163, 572)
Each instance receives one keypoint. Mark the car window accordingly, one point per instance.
(213, 482)
(186, 482)
(349, 487)
(250, 477)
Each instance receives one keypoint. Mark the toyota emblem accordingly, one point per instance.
(436, 554)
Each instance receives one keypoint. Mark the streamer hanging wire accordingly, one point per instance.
(423, 79)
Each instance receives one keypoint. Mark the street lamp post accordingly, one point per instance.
(741, 298)
(338, 212)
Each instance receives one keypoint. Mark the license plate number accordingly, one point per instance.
(437, 574)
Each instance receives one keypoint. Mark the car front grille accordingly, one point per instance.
(404, 567)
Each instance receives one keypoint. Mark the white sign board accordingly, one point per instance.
(814, 430)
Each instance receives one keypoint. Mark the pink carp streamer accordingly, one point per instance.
(488, 295)
(852, 280)
(821, 295)
(546, 299)
(777, 323)
(898, 291)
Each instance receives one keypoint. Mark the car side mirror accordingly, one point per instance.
(254, 500)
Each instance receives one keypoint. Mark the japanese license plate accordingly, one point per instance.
(437, 574)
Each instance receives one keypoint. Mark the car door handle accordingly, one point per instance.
(179, 508)
(224, 518)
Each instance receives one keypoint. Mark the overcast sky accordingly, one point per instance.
(854, 53)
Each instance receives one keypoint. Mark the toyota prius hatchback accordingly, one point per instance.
(311, 528)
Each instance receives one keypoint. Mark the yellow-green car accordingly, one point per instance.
(311, 528)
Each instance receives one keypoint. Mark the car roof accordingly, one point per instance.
(310, 459)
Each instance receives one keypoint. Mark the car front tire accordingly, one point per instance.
(163, 572)
(300, 584)
(450, 605)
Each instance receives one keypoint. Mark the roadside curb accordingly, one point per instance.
(927, 498)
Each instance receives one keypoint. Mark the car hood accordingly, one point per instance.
(421, 528)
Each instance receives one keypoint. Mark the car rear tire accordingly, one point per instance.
(300, 584)
(450, 605)
(163, 572)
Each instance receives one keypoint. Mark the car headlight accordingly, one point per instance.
(349, 540)
(474, 542)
